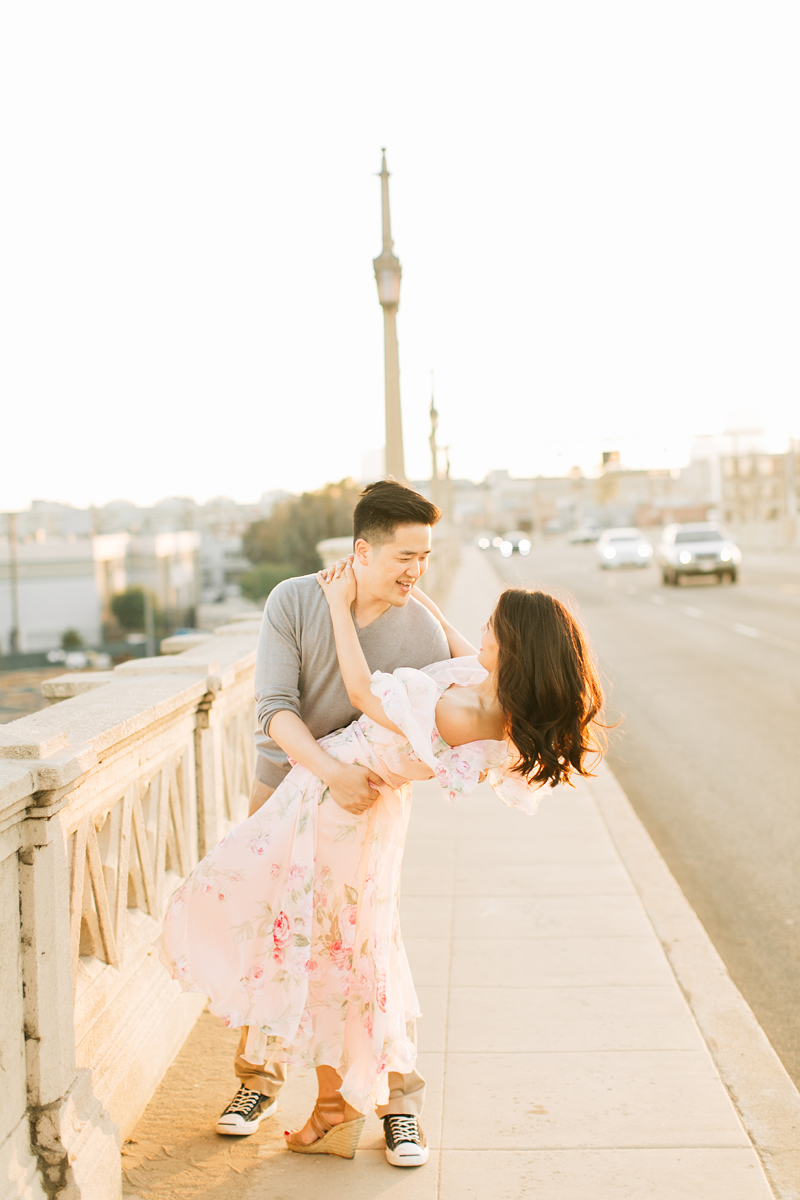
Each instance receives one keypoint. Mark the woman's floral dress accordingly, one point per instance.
(290, 925)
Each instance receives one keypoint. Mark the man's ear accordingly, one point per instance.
(361, 551)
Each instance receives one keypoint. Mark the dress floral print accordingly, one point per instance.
(290, 925)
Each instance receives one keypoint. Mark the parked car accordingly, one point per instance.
(515, 542)
(704, 548)
(623, 548)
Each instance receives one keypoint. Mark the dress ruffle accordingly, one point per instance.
(409, 698)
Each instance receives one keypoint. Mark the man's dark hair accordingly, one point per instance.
(385, 505)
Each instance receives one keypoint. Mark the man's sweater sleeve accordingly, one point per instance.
(277, 675)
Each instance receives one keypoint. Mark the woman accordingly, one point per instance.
(290, 924)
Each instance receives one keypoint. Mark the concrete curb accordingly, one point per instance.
(766, 1099)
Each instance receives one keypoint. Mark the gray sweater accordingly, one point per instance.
(297, 668)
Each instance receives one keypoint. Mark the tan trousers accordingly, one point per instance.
(406, 1092)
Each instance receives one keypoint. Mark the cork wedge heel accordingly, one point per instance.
(341, 1140)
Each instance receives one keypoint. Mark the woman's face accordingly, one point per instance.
(487, 655)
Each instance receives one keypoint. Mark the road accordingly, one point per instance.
(21, 692)
(705, 682)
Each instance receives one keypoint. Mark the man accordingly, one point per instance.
(300, 696)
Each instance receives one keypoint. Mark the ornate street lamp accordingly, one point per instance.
(387, 275)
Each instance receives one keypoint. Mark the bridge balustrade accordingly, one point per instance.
(108, 798)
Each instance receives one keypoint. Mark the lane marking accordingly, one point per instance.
(698, 614)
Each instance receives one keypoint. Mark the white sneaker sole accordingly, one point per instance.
(407, 1154)
(234, 1125)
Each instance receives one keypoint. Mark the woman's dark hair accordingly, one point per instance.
(547, 686)
(385, 505)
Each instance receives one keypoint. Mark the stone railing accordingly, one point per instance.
(107, 800)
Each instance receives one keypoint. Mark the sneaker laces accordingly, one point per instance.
(403, 1128)
(243, 1101)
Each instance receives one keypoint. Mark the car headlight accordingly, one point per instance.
(609, 552)
(498, 541)
(645, 550)
(506, 549)
(684, 557)
(524, 546)
(726, 555)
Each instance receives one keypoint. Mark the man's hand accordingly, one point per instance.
(354, 788)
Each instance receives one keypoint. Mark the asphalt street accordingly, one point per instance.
(704, 680)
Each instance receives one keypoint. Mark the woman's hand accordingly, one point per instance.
(340, 589)
(329, 573)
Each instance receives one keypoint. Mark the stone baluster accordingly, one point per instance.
(107, 798)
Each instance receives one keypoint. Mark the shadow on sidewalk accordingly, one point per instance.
(174, 1153)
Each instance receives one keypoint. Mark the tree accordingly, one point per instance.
(71, 640)
(128, 607)
(258, 583)
(288, 538)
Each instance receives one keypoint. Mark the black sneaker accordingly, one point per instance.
(245, 1111)
(405, 1141)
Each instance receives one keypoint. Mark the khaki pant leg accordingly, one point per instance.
(259, 794)
(406, 1092)
(267, 1078)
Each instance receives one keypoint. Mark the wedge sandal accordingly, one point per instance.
(341, 1140)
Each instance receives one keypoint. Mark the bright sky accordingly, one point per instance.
(595, 206)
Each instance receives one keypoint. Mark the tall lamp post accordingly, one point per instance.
(387, 275)
(434, 450)
(13, 578)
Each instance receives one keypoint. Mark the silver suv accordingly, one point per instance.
(704, 548)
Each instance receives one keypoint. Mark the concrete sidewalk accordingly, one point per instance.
(563, 1058)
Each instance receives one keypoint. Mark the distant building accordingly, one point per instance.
(73, 561)
(68, 583)
(48, 519)
(57, 589)
(761, 495)
(544, 505)
(650, 498)
(220, 523)
(167, 565)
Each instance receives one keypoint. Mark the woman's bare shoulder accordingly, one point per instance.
(462, 718)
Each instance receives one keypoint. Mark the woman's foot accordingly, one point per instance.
(333, 1128)
(327, 1114)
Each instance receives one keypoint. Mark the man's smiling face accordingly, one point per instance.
(390, 570)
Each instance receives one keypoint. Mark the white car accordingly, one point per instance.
(704, 548)
(515, 542)
(623, 548)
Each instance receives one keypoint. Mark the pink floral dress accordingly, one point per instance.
(290, 925)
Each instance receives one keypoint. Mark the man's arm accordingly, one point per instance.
(352, 787)
(278, 708)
